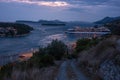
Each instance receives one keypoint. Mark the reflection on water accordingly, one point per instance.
(48, 39)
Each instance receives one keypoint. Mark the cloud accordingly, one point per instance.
(69, 3)
(92, 5)
(41, 2)
(89, 6)
(66, 9)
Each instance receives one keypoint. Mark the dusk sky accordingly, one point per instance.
(66, 10)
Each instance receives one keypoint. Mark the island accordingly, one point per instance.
(13, 29)
(52, 23)
(45, 22)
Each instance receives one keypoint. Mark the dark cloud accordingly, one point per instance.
(93, 4)
(68, 9)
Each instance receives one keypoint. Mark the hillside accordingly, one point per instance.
(114, 26)
(107, 20)
(25, 21)
(52, 23)
(102, 62)
(59, 23)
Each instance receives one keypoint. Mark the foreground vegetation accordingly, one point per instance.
(85, 43)
(47, 56)
(98, 58)
(93, 55)
(43, 58)
(98, 61)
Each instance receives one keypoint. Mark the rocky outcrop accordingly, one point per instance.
(109, 70)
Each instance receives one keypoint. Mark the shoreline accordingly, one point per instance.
(5, 59)
(25, 55)
(22, 35)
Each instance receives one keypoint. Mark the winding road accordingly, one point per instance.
(62, 73)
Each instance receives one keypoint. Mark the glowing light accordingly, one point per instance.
(54, 4)
(43, 3)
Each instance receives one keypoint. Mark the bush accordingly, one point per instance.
(57, 49)
(85, 43)
(82, 44)
(42, 60)
(45, 56)
(6, 71)
(47, 60)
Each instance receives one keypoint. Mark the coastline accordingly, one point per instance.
(23, 56)
(27, 55)
(22, 35)
(5, 59)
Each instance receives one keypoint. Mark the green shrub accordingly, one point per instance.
(42, 58)
(57, 49)
(6, 71)
(85, 43)
(82, 44)
(47, 60)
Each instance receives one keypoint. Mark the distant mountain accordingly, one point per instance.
(59, 23)
(49, 21)
(44, 22)
(52, 23)
(25, 21)
(107, 20)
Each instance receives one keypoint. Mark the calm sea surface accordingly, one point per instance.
(40, 36)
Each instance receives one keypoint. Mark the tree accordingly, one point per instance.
(85, 43)
(57, 49)
(45, 56)
(82, 44)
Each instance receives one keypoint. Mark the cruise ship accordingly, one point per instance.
(90, 30)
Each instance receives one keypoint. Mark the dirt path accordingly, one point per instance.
(77, 72)
(63, 74)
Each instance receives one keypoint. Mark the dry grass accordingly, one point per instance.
(90, 60)
(46, 73)
(35, 74)
(95, 55)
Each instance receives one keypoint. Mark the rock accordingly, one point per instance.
(109, 70)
